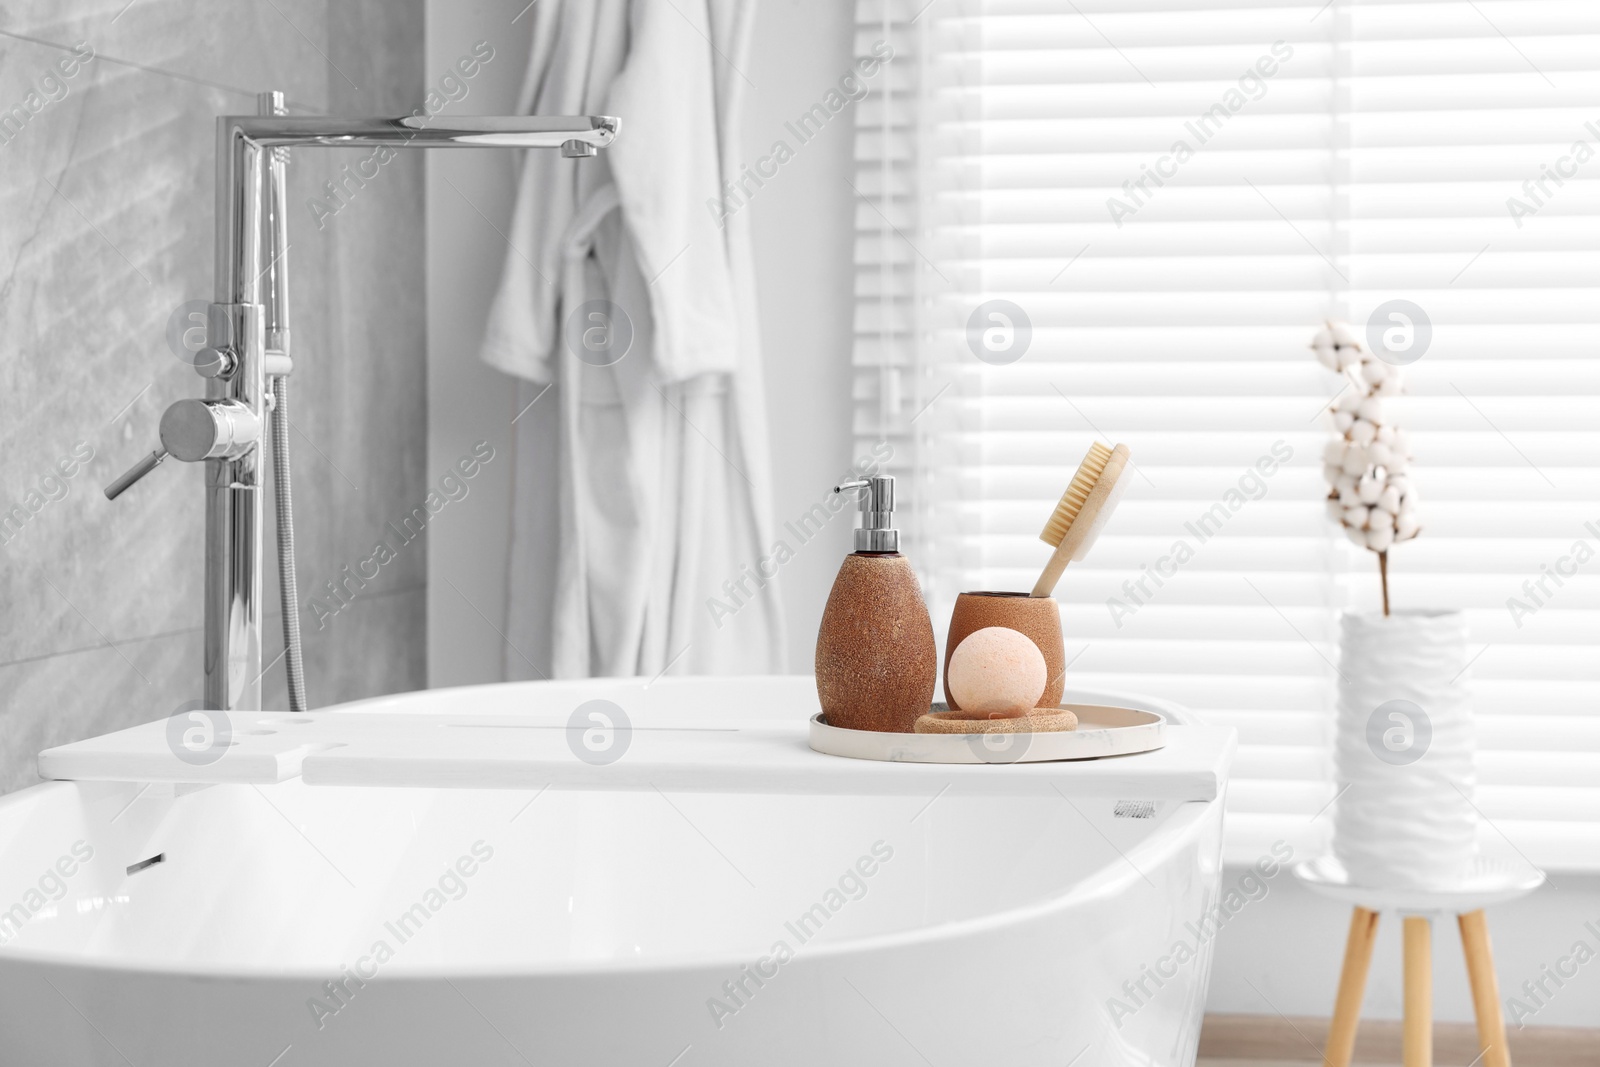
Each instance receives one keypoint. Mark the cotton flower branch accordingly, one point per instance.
(1369, 493)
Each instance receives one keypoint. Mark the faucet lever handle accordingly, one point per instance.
(135, 472)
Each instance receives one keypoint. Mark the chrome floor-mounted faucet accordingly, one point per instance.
(247, 359)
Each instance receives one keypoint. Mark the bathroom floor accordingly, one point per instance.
(1255, 1041)
(1274, 1063)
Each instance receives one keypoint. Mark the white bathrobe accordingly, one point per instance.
(661, 468)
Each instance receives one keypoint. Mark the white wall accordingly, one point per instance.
(802, 223)
(467, 402)
(1288, 945)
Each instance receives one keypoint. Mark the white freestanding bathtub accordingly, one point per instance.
(295, 924)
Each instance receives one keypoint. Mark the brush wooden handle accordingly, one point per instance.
(1083, 524)
(1046, 585)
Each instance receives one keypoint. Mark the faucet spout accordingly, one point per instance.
(417, 131)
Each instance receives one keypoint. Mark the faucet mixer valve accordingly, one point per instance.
(193, 430)
(221, 427)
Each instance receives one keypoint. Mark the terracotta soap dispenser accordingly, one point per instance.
(876, 658)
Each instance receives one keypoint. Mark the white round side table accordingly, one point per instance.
(1490, 882)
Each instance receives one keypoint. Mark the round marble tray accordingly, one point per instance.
(1102, 730)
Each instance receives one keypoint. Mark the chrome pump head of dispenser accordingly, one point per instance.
(875, 534)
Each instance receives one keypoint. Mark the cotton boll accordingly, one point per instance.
(1372, 410)
(1379, 454)
(1389, 500)
(1398, 463)
(1390, 386)
(1343, 420)
(1386, 435)
(1399, 484)
(1380, 520)
(1335, 509)
(1355, 461)
(1326, 356)
(1363, 432)
(1348, 401)
(1345, 481)
(1406, 525)
(1332, 474)
(1356, 535)
(1355, 517)
(1350, 497)
(1380, 539)
(1347, 357)
(1323, 338)
(1374, 371)
(1341, 335)
(1333, 452)
(1369, 488)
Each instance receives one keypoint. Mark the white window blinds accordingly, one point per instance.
(1175, 194)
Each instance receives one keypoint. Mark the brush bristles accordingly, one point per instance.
(1089, 471)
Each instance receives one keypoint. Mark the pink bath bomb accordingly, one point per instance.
(997, 673)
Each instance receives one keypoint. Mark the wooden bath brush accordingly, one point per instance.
(1083, 511)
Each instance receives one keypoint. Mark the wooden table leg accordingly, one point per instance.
(1352, 986)
(1416, 1048)
(1485, 990)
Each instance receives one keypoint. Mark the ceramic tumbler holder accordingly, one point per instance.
(1037, 618)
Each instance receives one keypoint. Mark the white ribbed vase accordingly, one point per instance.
(1403, 751)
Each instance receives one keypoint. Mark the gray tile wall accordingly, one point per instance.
(106, 228)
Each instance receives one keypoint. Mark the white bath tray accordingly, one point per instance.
(532, 751)
(1102, 731)
(735, 735)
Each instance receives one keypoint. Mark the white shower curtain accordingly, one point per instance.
(655, 490)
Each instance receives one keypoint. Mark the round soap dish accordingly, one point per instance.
(1102, 730)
